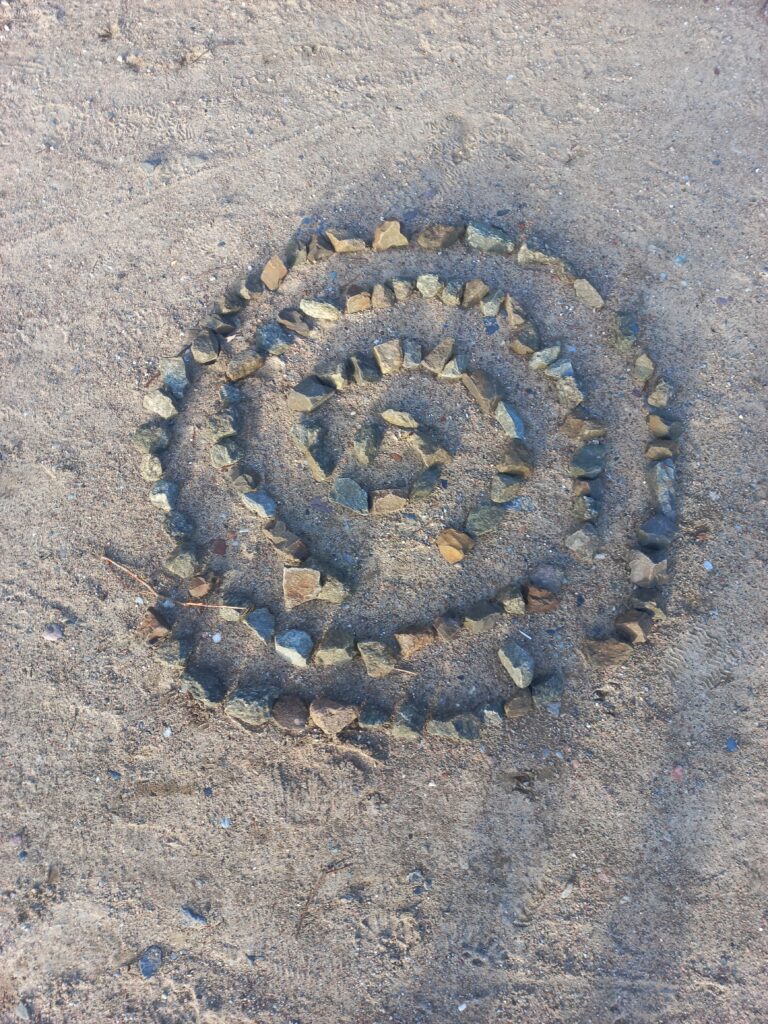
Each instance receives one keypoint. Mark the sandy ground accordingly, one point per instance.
(604, 866)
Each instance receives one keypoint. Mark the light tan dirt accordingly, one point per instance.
(604, 866)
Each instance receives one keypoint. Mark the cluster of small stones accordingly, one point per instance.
(648, 562)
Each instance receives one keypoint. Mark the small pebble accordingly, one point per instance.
(53, 632)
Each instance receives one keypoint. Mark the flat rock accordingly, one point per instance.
(588, 462)
(519, 703)
(648, 568)
(454, 545)
(661, 483)
(464, 727)
(389, 355)
(198, 587)
(342, 242)
(151, 438)
(517, 663)
(484, 388)
(309, 439)
(295, 647)
(431, 451)
(225, 454)
(205, 347)
(580, 427)
(412, 641)
(509, 420)
(262, 622)
(274, 272)
(606, 653)
(336, 648)
(320, 310)
(385, 502)
(251, 705)
(485, 518)
(290, 714)
(483, 616)
(505, 487)
(363, 369)
(333, 590)
(535, 258)
(349, 494)
(291, 547)
(399, 418)
(223, 424)
(517, 459)
(408, 723)
(402, 289)
(656, 532)
(260, 503)
(244, 364)
(164, 494)
(160, 404)
(438, 236)
(331, 716)
(300, 585)
(525, 339)
(382, 297)
(474, 292)
(587, 294)
(366, 443)
(583, 543)
(442, 352)
(309, 395)
(388, 235)
(293, 321)
(486, 238)
(427, 482)
(356, 299)
(547, 692)
(204, 687)
(428, 286)
(377, 657)
(539, 599)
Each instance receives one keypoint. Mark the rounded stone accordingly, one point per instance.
(290, 714)
(331, 716)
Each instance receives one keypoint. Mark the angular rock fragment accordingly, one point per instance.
(300, 585)
(580, 427)
(525, 339)
(483, 616)
(153, 626)
(519, 703)
(293, 321)
(547, 692)
(244, 364)
(454, 368)
(447, 626)
(363, 369)
(290, 714)
(320, 310)
(151, 468)
(309, 440)
(318, 250)
(198, 587)
(625, 332)
(661, 483)
(309, 395)
(438, 236)
(173, 373)
(633, 626)
(648, 568)
(223, 325)
(662, 425)
(291, 547)
(588, 462)
(474, 292)
(356, 299)
(450, 294)
(366, 443)
(517, 663)
(514, 314)
(225, 454)
(204, 687)
(491, 714)
(587, 294)
(583, 543)
(223, 424)
(335, 375)
(378, 659)
(428, 286)
(539, 600)
(458, 727)
(342, 242)
(427, 482)
(295, 647)
(442, 352)
(643, 369)
(533, 258)
(607, 653)
(413, 641)
(271, 340)
(586, 508)
(385, 502)
(401, 289)
(182, 562)
(484, 388)
(431, 451)
(509, 420)
(205, 347)
(569, 393)
(511, 599)
(492, 303)
(336, 648)
(648, 599)
(164, 494)
(656, 532)
(251, 705)
(486, 238)
(544, 357)
(160, 404)
(485, 518)
(408, 723)
(382, 297)
(388, 235)
(333, 590)
(389, 355)
(399, 418)
(517, 459)
(262, 622)
(152, 438)
(331, 716)
(505, 487)
(349, 494)
(274, 272)
(260, 503)
(454, 545)
(659, 397)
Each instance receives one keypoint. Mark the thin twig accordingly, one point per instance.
(157, 595)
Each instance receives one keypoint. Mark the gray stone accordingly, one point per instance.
(240, 481)
(204, 687)
(151, 438)
(492, 303)
(427, 482)
(160, 404)
(151, 468)
(349, 494)
(485, 518)
(262, 622)
(182, 562)
(648, 568)
(309, 440)
(366, 443)
(661, 483)
(486, 238)
(511, 599)
(205, 347)
(260, 503)
(656, 532)
(309, 395)
(225, 454)
(377, 657)
(408, 723)
(164, 494)
(451, 294)
(290, 714)
(318, 250)
(428, 286)
(399, 418)
(295, 647)
(230, 394)
(587, 294)
(505, 487)
(389, 355)
(252, 705)
(373, 716)
(244, 364)
(458, 727)
(401, 289)
(173, 373)
(320, 310)
(484, 388)
(517, 662)
(547, 693)
(363, 369)
(588, 462)
(509, 420)
(474, 292)
(583, 543)
(517, 459)
(569, 393)
(272, 340)
(483, 616)
(431, 452)
(336, 648)
(586, 508)
(223, 424)
(438, 236)
(439, 356)
(223, 325)
(544, 357)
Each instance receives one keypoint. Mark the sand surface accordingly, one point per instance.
(604, 866)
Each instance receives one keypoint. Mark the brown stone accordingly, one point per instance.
(587, 294)
(198, 587)
(388, 235)
(438, 236)
(382, 297)
(378, 659)
(519, 704)
(633, 626)
(153, 626)
(341, 243)
(474, 293)
(274, 273)
(331, 716)
(453, 545)
(384, 503)
(244, 364)
(580, 427)
(292, 548)
(356, 299)
(607, 653)
(300, 585)
(518, 459)
(484, 388)
(412, 641)
(647, 569)
(483, 616)
(389, 355)
(442, 352)
(290, 714)
(539, 600)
